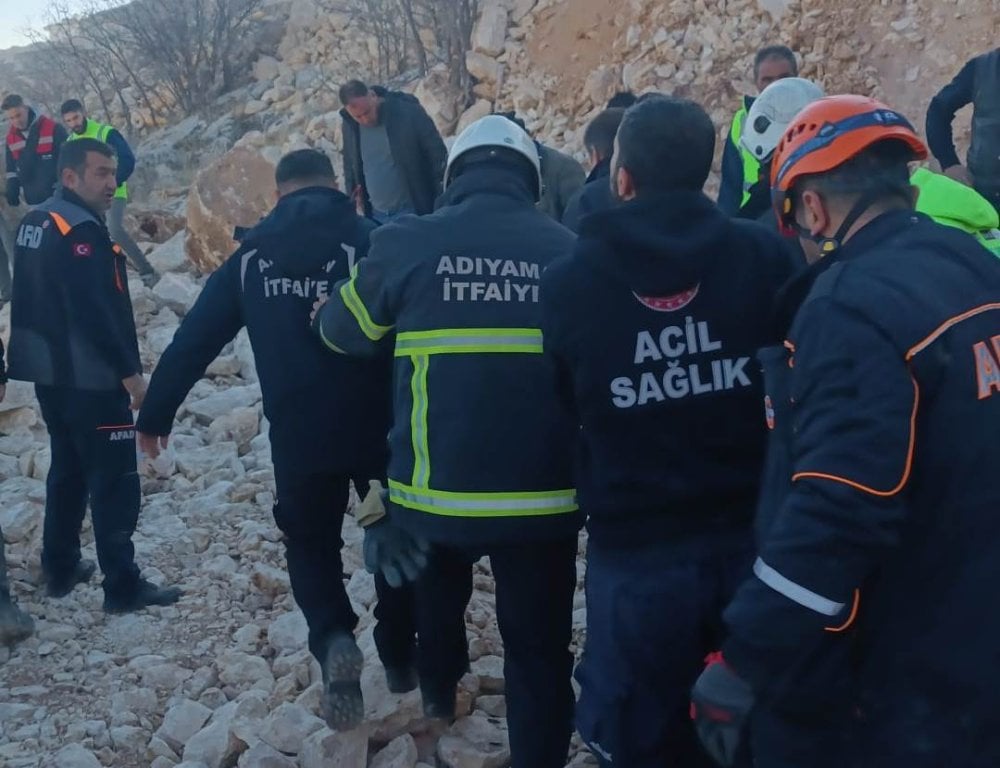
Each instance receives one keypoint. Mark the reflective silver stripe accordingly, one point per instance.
(17, 145)
(11, 174)
(795, 592)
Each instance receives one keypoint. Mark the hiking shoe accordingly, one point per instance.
(342, 705)
(401, 679)
(145, 594)
(15, 624)
(62, 586)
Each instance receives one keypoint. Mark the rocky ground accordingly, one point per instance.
(223, 678)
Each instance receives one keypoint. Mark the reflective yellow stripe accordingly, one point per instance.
(504, 504)
(466, 340)
(356, 307)
(418, 422)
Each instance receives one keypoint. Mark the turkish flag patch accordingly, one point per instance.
(83, 250)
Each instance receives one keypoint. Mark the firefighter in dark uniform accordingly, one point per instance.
(73, 335)
(881, 538)
(328, 415)
(663, 382)
(480, 449)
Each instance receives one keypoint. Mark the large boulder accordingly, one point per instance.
(235, 190)
(443, 101)
(490, 32)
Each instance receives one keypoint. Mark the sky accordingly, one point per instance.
(15, 15)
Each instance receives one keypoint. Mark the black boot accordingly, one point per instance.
(145, 594)
(342, 703)
(15, 624)
(60, 586)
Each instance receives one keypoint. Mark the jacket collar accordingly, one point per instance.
(600, 171)
(488, 179)
(72, 198)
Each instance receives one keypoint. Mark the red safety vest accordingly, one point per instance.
(46, 138)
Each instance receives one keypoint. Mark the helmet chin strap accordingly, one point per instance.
(828, 245)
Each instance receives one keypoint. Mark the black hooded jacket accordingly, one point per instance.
(327, 412)
(654, 322)
(416, 148)
(595, 195)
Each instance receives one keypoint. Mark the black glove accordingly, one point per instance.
(720, 705)
(394, 552)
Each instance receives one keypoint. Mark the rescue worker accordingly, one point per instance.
(73, 335)
(662, 381)
(953, 203)
(885, 530)
(740, 170)
(480, 449)
(562, 176)
(595, 195)
(75, 119)
(978, 83)
(15, 624)
(765, 124)
(329, 415)
(32, 152)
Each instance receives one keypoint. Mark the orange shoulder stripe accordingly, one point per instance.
(61, 224)
(918, 348)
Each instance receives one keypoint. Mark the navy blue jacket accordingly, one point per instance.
(654, 323)
(891, 394)
(71, 314)
(327, 413)
(594, 196)
(481, 449)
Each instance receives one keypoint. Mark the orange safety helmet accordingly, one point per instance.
(826, 134)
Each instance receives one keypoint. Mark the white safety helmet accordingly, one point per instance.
(498, 132)
(772, 111)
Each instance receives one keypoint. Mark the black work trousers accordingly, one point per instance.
(310, 512)
(535, 582)
(93, 457)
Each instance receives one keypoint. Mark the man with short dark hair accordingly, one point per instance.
(32, 146)
(394, 157)
(73, 335)
(875, 576)
(80, 126)
(977, 83)
(595, 195)
(31, 156)
(740, 169)
(653, 323)
(329, 414)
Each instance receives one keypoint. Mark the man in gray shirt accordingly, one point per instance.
(394, 157)
(385, 185)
